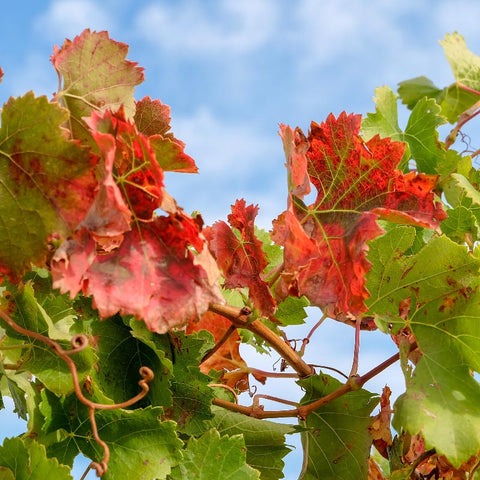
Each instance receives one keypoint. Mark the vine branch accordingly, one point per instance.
(354, 383)
(240, 319)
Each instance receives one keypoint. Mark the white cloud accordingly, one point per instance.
(194, 28)
(335, 27)
(68, 18)
(223, 147)
(235, 160)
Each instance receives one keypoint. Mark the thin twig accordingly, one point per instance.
(306, 340)
(302, 412)
(356, 349)
(217, 346)
(465, 117)
(263, 373)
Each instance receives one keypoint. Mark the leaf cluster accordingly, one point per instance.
(121, 315)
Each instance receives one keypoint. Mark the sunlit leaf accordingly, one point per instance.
(357, 183)
(27, 460)
(440, 282)
(152, 118)
(211, 453)
(94, 75)
(337, 442)
(240, 256)
(46, 181)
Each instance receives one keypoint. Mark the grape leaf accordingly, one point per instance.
(27, 460)
(141, 445)
(211, 453)
(192, 397)
(357, 183)
(37, 357)
(460, 192)
(169, 284)
(465, 64)
(454, 99)
(413, 90)
(120, 357)
(264, 440)
(152, 118)
(227, 357)
(337, 443)
(47, 183)
(240, 256)
(295, 146)
(95, 76)
(128, 152)
(441, 283)
(420, 135)
(460, 225)
(292, 311)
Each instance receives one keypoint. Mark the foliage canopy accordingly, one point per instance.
(121, 314)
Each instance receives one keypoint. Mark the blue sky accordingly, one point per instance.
(233, 70)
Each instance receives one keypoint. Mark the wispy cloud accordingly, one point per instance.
(194, 28)
(235, 160)
(67, 18)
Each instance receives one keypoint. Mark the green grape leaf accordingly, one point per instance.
(465, 64)
(384, 121)
(264, 440)
(420, 133)
(460, 192)
(211, 454)
(456, 100)
(453, 100)
(273, 252)
(292, 310)
(120, 357)
(141, 445)
(440, 283)
(413, 90)
(46, 181)
(27, 460)
(95, 75)
(337, 442)
(38, 358)
(459, 224)
(192, 397)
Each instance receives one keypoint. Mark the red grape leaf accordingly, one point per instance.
(380, 429)
(137, 172)
(295, 146)
(357, 182)
(129, 259)
(240, 257)
(153, 274)
(46, 181)
(227, 357)
(95, 75)
(152, 118)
